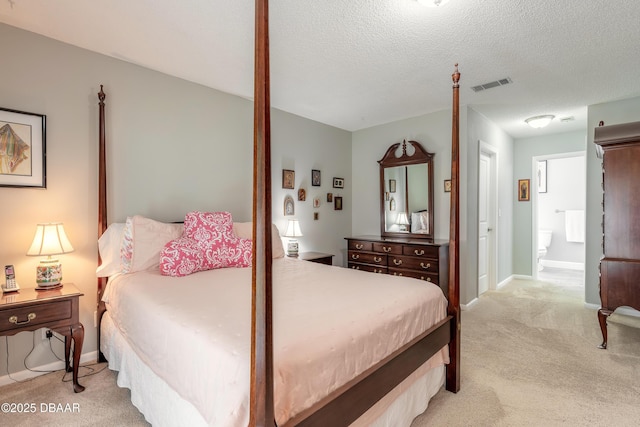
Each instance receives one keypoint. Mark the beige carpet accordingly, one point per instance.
(529, 358)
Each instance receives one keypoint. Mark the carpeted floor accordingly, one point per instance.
(529, 358)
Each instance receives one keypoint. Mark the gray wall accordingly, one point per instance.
(524, 151)
(173, 146)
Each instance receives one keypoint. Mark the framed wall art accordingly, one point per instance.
(315, 178)
(329, 197)
(392, 186)
(523, 190)
(338, 182)
(288, 179)
(542, 176)
(289, 208)
(337, 203)
(447, 186)
(316, 202)
(22, 149)
(302, 195)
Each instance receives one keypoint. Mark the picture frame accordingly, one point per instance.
(524, 190)
(315, 178)
(447, 186)
(316, 202)
(288, 179)
(392, 204)
(392, 186)
(338, 182)
(542, 176)
(289, 207)
(302, 195)
(25, 165)
(316, 216)
(337, 203)
(329, 197)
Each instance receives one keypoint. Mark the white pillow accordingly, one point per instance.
(244, 230)
(109, 248)
(143, 240)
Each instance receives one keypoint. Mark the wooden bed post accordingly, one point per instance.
(261, 394)
(102, 206)
(453, 369)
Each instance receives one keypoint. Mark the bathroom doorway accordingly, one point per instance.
(559, 196)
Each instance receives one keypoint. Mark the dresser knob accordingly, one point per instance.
(377, 259)
(395, 273)
(355, 256)
(387, 249)
(418, 252)
(426, 267)
(355, 267)
(428, 279)
(397, 261)
(14, 319)
(359, 246)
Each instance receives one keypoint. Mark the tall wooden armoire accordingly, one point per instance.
(619, 148)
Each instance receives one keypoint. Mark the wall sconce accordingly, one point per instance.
(402, 221)
(50, 239)
(538, 122)
(293, 231)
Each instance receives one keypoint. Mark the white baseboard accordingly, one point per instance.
(504, 282)
(54, 366)
(522, 277)
(468, 305)
(562, 264)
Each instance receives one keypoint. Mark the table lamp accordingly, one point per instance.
(293, 230)
(402, 221)
(50, 239)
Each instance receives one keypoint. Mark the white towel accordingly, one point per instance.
(574, 225)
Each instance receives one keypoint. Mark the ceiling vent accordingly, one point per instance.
(501, 82)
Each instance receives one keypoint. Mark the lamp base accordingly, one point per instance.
(49, 273)
(292, 248)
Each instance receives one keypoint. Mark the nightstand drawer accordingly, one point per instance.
(37, 314)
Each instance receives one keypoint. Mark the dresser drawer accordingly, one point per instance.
(421, 251)
(387, 248)
(368, 268)
(427, 277)
(368, 258)
(360, 245)
(23, 317)
(413, 263)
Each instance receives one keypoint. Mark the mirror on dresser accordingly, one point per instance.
(406, 191)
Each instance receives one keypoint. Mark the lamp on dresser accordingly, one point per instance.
(293, 232)
(402, 221)
(49, 239)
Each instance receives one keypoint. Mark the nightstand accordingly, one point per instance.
(318, 257)
(55, 309)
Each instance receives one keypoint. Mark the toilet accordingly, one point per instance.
(544, 240)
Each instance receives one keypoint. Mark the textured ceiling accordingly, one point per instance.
(359, 63)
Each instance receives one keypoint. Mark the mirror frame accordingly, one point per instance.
(389, 160)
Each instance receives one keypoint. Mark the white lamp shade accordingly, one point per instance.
(50, 239)
(402, 219)
(538, 122)
(293, 229)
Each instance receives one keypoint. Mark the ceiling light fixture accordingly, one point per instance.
(538, 122)
(432, 3)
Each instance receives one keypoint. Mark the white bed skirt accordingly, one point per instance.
(162, 406)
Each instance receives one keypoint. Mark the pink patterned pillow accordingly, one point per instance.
(208, 242)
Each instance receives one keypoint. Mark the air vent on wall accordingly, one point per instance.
(501, 82)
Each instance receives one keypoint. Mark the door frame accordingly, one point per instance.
(492, 152)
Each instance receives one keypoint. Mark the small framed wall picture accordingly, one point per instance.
(315, 178)
(329, 197)
(289, 208)
(523, 190)
(338, 182)
(447, 186)
(316, 202)
(316, 216)
(392, 186)
(288, 179)
(337, 203)
(302, 195)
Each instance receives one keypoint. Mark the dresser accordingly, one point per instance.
(619, 148)
(428, 261)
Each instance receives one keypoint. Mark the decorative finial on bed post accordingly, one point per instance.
(456, 77)
(101, 95)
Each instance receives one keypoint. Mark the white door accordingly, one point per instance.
(486, 207)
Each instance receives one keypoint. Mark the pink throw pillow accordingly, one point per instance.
(208, 242)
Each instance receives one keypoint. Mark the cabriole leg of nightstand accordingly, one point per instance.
(75, 333)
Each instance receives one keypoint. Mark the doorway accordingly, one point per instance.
(487, 217)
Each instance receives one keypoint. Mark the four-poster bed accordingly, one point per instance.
(345, 402)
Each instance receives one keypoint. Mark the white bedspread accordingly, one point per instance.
(330, 324)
